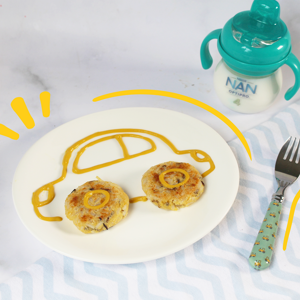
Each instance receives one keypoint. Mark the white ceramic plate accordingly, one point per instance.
(148, 232)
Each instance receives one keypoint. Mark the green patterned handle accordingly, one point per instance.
(262, 251)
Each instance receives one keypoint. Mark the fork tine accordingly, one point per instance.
(295, 148)
(284, 151)
(298, 156)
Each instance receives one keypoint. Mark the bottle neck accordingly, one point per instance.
(245, 75)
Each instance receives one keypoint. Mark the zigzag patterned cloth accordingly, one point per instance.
(216, 267)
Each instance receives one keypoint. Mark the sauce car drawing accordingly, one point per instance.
(118, 135)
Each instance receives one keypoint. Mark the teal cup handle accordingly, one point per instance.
(206, 59)
(294, 64)
(262, 251)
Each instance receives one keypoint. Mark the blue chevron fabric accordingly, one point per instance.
(215, 267)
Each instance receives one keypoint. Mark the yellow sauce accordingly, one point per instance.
(118, 135)
(169, 186)
(137, 199)
(89, 194)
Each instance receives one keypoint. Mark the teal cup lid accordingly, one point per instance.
(255, 42)
(257, 36)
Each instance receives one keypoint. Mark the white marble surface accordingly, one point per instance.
(78, 50)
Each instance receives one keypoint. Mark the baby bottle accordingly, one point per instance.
(254, 45)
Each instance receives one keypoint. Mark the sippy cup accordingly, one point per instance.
(254, 45)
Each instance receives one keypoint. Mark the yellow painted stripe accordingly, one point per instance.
(8, 132)
(45, 103)
(186, 99)
(290, 220)
(20, 108)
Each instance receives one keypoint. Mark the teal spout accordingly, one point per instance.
(259, 27)
(266, 12)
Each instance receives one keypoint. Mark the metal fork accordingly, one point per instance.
(287, 170)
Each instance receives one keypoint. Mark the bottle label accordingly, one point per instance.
(241, 87)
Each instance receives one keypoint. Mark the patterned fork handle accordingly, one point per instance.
(262, 251)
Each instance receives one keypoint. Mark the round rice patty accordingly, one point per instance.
(178, 197)
(94, 220)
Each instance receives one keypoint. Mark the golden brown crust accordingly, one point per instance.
(175, 198)
(94, 220)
